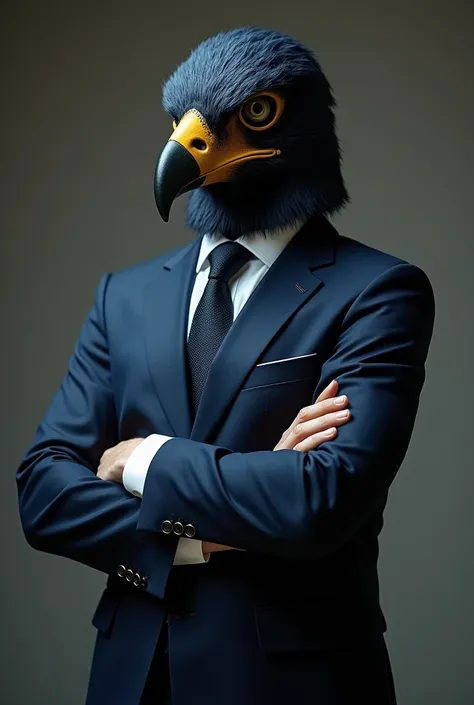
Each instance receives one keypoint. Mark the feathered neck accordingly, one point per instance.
(238, 211)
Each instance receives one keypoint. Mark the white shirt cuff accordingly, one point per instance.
(189, 551)
(136, 467)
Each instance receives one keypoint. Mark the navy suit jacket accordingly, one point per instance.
(297, 614)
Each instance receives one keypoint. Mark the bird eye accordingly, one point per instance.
(258, 111)
(261, 111)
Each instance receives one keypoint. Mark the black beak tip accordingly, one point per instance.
(176, 169)
(163, 210)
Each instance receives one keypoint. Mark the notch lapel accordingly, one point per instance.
(287, 285)
(166, 317)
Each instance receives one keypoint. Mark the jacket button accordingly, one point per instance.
(144, 581)
(167, 526)
(189, 531)
(121, 570)
(178, 528)
(129, 575)
(137, 579)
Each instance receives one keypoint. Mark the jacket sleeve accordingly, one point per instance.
(64, 508)
(305, 505)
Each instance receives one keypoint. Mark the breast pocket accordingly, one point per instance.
(283, 371)
(271, 397)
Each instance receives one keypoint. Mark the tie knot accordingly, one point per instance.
(227, 259)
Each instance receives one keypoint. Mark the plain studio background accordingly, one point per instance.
(82, 126)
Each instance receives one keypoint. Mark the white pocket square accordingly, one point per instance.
(286, 359)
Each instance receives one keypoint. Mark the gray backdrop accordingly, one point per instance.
(82, 125)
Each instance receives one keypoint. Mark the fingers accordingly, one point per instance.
(103, 472)
(108, 470)
(323, 404)
(320, 408)
(324, 408)
(314, 441)
(318, 425)
(329, 391)
(322, 423)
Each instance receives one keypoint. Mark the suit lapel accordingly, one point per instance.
(166, 315)
(288, 284)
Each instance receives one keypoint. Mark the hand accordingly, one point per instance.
(112, 465)
(112, 462)
(316, 424)
(313, 426)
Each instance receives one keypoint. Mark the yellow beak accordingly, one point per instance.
(193, 157)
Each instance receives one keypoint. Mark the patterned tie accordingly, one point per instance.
(214, 314)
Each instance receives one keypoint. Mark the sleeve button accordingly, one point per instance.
(129, 575)
(167, 526)
(137, 579)
(190, 531)
(178, 528)
(121, 570)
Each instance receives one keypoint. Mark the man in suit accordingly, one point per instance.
(242, 562)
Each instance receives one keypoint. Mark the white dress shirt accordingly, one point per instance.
(242, 284)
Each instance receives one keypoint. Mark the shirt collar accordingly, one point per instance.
(266, 248)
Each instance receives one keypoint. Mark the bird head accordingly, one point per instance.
(253, 136)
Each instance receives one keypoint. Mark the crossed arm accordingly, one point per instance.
(313, 426)
(290, 503)
(306, 504)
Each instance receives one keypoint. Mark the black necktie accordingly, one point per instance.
(214, 314)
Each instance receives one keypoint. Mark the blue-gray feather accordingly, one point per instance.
(223, 71)
(264, 195)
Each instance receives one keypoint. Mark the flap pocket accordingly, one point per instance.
(311, 627)
(283, 371)
(105, 611)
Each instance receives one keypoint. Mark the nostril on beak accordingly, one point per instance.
(199, 144)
